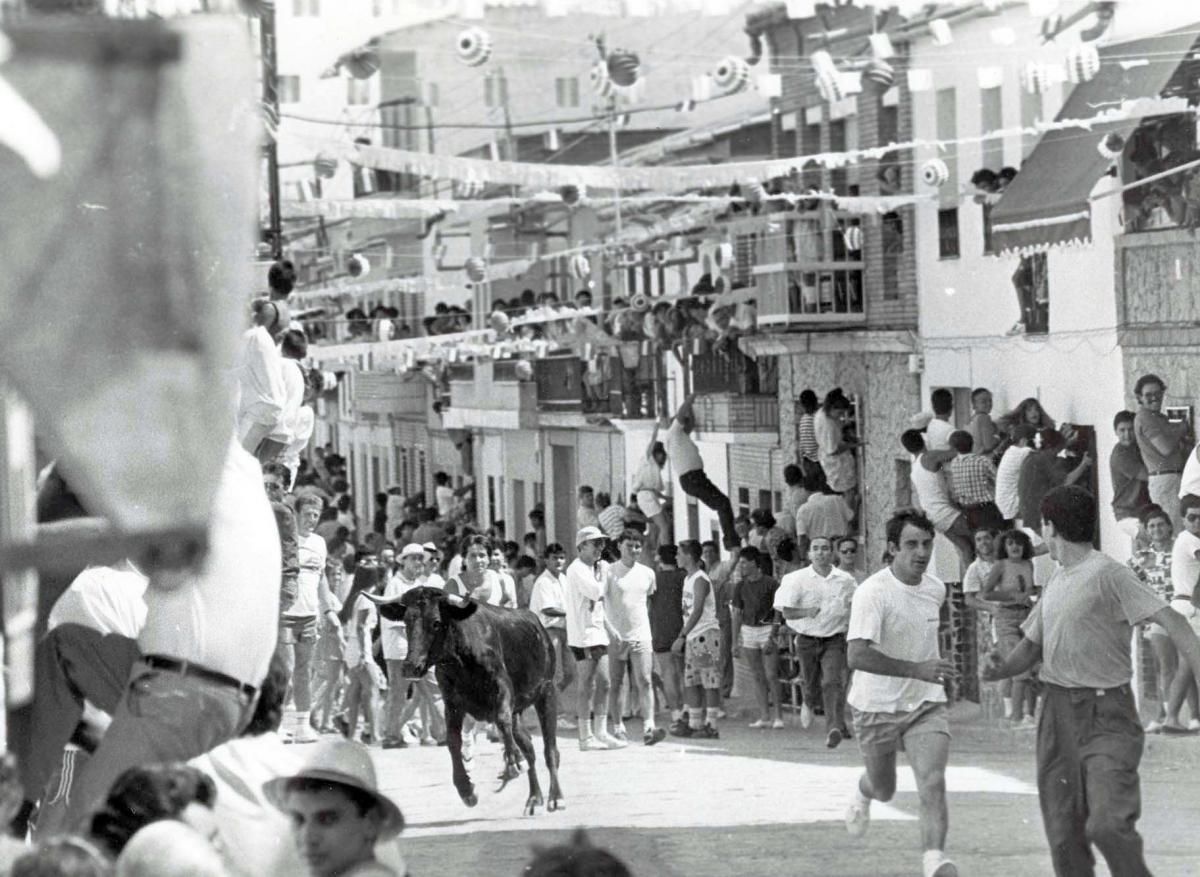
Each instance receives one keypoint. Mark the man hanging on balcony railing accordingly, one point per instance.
(689, 469)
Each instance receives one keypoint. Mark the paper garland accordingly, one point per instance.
(682, 178)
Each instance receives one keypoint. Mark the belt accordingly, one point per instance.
(187, 668)
(1167, 472)
(971, 506)
(1089, 692)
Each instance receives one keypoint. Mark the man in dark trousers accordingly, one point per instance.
(688, 467)
(1089, 736)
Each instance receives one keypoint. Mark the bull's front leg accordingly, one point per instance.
(454, 741)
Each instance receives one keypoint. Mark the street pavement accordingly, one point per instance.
(761, 802)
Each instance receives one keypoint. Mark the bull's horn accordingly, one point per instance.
(382, 601)
(457, 600)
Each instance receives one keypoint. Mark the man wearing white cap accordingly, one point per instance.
(392, 637)
(588, 637)
(337, 811)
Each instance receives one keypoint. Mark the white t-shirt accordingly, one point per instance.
(976, 575)
(224, 616)
(444, 497)
(648, 477)
(311, 551)
(261, 392)
(1189, 482)
(934, 495)
(708, 615)
(1185, 570)
(626, 590)
(681, 450)
(548, 593)
(455, 566)
(1008, 474)
(302, 430)
(104, 598)
(356, 652)
(937, 435)
(508, 589)
(807, 589)
(392, 636)
(585, 608)
(489, 591)
(433, 580)
(902, 622)
(293, 399)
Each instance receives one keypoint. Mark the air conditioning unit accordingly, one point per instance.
(916, 363)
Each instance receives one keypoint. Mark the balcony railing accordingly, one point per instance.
(794, 292)
(616, 386)
(728, 370)
(488, 394)
(390, 393)
(736, 412)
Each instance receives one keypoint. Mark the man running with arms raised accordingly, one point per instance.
(897, 695)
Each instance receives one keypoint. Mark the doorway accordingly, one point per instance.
(562, 462)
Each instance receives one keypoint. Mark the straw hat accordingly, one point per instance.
(347, 763)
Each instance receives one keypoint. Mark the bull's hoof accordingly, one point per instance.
(470, 799)
(556, 804)
(531, 805)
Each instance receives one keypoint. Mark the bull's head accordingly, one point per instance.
(426, 613)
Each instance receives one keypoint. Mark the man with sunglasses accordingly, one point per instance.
(1164, 445)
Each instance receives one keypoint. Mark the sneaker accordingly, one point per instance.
(1155, 726)
(806, 716)
(833, 738)
(858, 818)
(607, 741)
(654, 735)
(777, 724)
(565, 724)
(708, 732)
(720, 713)
(942, 868)
(430, 741)
(394, 743)
(590, 744)
(1017, 329)
(302, 732)
(1193, 725)
(680, 728)
(1029, 723)
(760, 723)
(619, 733)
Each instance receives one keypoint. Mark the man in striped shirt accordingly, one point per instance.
(973, 483)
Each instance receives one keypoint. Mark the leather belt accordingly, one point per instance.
(187, 668)
(1167, 472)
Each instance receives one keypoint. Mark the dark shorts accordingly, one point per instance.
(589, 653)
(297, 629)
(885, 733)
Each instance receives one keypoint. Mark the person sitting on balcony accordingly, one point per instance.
(689, 469)
(836, 453)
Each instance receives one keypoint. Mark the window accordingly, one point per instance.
(889, 164)
(823, 275)
(1032, 283)
(495, 90)
(892, 240)
(566, 91)
(948, 233)
(744, 260)
(358, 92)
(301, 8)
(947, 129)
(288, 88)
(743, 500)
(992, 117)
(838, 177)
(764, 499)
(810, 144)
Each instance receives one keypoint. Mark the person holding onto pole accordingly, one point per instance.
(689, 469)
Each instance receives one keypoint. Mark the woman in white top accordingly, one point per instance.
(476, 580)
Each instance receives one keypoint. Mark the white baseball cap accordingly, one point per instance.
(588, 534)
(412, 549)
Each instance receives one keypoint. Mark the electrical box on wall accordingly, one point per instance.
(916, 363)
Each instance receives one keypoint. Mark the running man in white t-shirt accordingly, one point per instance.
(548, 602)
(627, 589)
(897, 693)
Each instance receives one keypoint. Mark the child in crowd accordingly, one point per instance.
(984, 432)
(1153, 566)
(1010, 586)
(365, 678)
(974, 580)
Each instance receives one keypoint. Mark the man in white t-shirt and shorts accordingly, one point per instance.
(588, 637)
(897, 696)
(627, 588)
(650, 492)
(700, 642)
(549, 603)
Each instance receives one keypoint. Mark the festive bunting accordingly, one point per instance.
(939, 28)
(731, 75)
(934, 172)
(473, 47)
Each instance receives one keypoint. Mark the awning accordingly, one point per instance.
(1047, 204)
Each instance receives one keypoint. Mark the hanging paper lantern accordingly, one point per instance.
(640, 303)
(499, 323)
(361, 63)
(571, 194)
(854, 238)
(325, 165)
(473, 47)
(732, 75)
(579, 266)
(523, 369)
(476, 269)
(934, 172)
(623, 68)
(602, 83)
(1035, 77)
(1083, 63)
(358, 266)
(1111, 146)
(879, 73)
